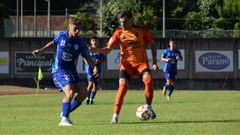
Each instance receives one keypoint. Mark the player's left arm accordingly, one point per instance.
(92, 64)
(154, 55)
(87, 58)
(148, 37)
(100, 59)
(179, 56)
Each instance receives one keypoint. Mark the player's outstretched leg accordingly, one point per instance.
(119, 100)
(66, 105)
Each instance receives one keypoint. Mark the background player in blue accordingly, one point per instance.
(65, 76)
(170, 56)
(92, 79)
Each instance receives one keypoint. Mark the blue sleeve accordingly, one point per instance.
(180, 54)
(164, 55)
(57, 39)
(84, 50)
(99, 57)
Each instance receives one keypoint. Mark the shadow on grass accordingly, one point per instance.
(182, 122)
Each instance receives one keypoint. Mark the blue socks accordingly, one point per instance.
(89, 93)
(74, 104)
(92, 95)
(170, 91)
(66, 107)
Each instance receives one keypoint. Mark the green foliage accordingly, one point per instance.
(197, 21)
(229, 12)
(147, 18)
(207, 6)
(111, 10)
(229, 9)
(202, 19)
(216, 33)
(236, 33)
(110, 23)
(88, 27)
(222, 23)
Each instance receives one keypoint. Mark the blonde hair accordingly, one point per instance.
(73, 20)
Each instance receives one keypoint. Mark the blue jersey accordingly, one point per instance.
(171, 66)
(95, 56)
(89, 70)
(68, 50)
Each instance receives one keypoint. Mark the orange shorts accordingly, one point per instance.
(132, 69)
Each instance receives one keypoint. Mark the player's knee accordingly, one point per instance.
(123, 81)
(147, 79)
(172, 84)
(69, 95)
(168, 83)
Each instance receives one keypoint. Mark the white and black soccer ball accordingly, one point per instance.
(143, 112)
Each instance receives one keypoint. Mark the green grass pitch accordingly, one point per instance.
(187, 113)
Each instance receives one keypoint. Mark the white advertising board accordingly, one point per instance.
(214, 61)
(113, 59)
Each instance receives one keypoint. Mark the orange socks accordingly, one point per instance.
(119, 98)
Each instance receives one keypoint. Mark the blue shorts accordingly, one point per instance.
(169, 76)
(62, 78)
(90, 75)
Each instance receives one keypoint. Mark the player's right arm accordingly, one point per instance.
(39, 51)
(164, 60)
(104, 50)
(179, 56)
(110, 45)
(164, 57)
(55, 41)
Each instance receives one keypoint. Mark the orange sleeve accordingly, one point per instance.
(148, 36)
(113, 40)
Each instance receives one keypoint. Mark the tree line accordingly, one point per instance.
(218, 15)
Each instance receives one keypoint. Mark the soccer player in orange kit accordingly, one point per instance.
(133, 60)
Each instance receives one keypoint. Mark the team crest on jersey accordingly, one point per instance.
(62, 42)
(76, 46)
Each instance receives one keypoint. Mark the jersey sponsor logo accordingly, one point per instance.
(214, 61)
(66, 56)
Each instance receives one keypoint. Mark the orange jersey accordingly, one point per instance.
(132, 44)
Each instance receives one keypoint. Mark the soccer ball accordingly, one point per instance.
(143, 112)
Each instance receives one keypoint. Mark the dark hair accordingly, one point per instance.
(171, 39)
(126, 14)
(73, 20)
(94, 37)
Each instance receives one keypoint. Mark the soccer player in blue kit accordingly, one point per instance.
(64, 73)
(93, 80)
(170, 56)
